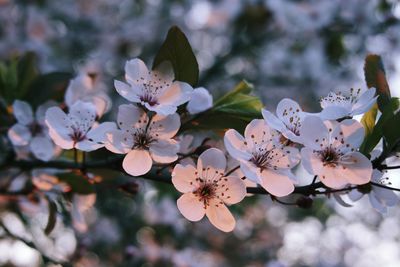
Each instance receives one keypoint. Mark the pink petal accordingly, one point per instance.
(164, 151)
(314, 133)
(191, 207)
(236, 145)
(211, 164)
(136, 71)
(119, 142)
(128, 92)
(184, 178)
(356, 168)
(137, 162)
(347, 135)
(220, 216)
(164, 126)
(19, 135)
(257, 132)
(278, 184)
(233, 191)
(42, 147)
(177, 94)
(131, 117)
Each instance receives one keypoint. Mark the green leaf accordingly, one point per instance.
(374, 72)
(52, 220)
(27, 72)
(368, 120)
(234, 110)
(391, 133)
(78, 183)
(372, 140)
(177, 50)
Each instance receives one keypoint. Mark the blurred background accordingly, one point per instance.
(298, 49)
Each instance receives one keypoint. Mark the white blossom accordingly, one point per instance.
(155, 89)
(200, 101)
(31, 132)
(287, 121)
(77, 129)
(86, 87)
(144, 140)
(347, 103)
(379, 197)
(206, 190)
(331, 152)
(262, 159)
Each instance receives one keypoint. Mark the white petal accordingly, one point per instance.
(191, 207)
(347, 135)
(285, 158)
(136, 71)
(364, 108)
(102, 103)
(377, 204)
(273, 121)
(128, 92)
(220, 216)
(59, 127)
(177, 94)
(137, 162)
(131, 117)
(41, 111)
(98, 134)
(83, 114)
(355, 195)
(257, 132)
(334, 113)
(314, 133)
(119, 142)
(311, 162)
(250, 171)
(42, 148)
(365, 100)
(277, 184)
(23, 112)
(184, 178)
(357, 168)
(19, 134)
(165, 126)
(88, 146)
(164, 151)
(200, 100)
(236, 145)
(290, 113)
(211, 161)
(234, 190)
(163, 71)
(161, 109)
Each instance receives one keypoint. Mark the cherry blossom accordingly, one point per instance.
(206, 190)
(86, 87)
(262, 159)
(331, 152)
(31, 132)
(77, 129)
(156, 89)
(380, 198)
(287, 121)
(143, 139)
(347, 103)
(200, 101)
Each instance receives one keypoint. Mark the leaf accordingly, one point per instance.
(372, 140)
(52, 220)
(369, 118)
(27, 72)
(78, 183)
(391, 132)
(177, 50)
(375, 77)
(234, 110)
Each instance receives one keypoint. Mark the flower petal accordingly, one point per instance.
(131, 117)
(184, 178)
(165, 126)
(211, 161)
(98, 134)
(277, 184)
(128, 92)
(367, 99)
(250, 171)
(119, 142)
(273, 121)
(191, 207)
(220, 216)
(164, 151)
(257, 132)
(83, 115)
(137, 162)
(377, 204)
(41, 111)
(177, 94)
(233, 191)
(357, 168)
(355, 195)
(347, 135)
(290, 113)
(236, 145)
(136, 71)
(42, 148)
(334, 113)
(200, 100)
(310, 161)
(314, 133)
(19, 135)
(333, 177)
(23, 112)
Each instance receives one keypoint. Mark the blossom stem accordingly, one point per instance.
(385, 186)
(385, 167)
(231, 171)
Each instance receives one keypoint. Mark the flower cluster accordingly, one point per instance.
(326, 144)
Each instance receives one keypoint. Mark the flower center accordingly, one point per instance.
(329, 157)
(35, 128)
(142, 140)
(77, 135)
(205, 192)
(262, 158)
(148, 98)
